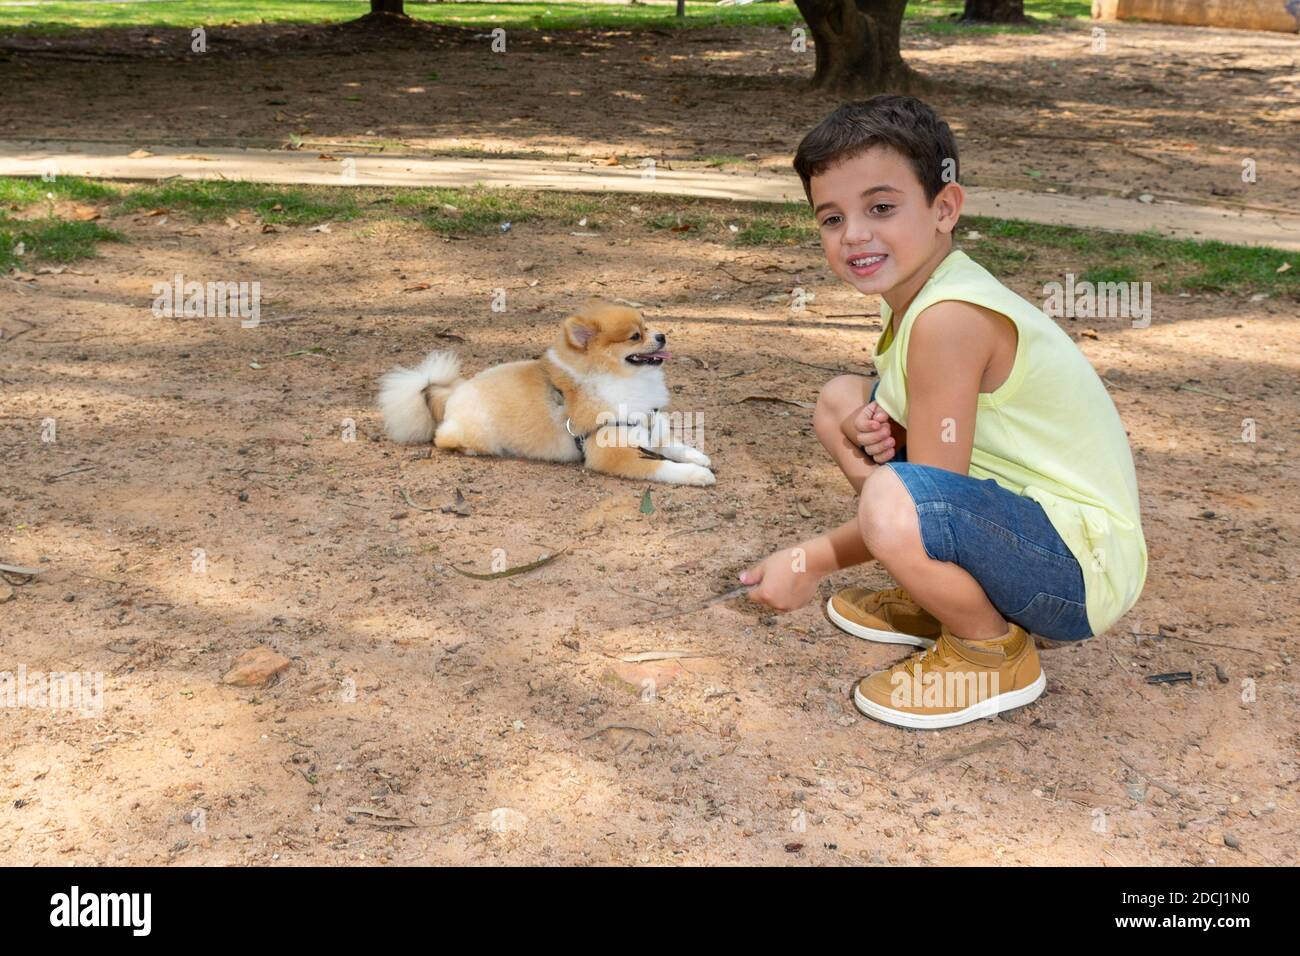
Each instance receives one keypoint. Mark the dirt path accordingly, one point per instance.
(116, 161)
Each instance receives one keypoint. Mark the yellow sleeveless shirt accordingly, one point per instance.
(1050, 432)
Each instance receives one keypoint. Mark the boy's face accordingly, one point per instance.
(877, 229)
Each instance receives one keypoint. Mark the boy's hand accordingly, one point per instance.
(869, 429)
(785, 583)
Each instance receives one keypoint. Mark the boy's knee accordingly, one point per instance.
(837, 398)
(886, 524)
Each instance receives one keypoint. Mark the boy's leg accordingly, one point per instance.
(890, 614)
(974, 554)
(892, 531)
(991, 566)
(841, 397)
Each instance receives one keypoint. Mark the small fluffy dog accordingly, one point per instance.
(596, 396)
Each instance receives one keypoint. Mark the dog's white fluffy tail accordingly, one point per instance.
(404, 397)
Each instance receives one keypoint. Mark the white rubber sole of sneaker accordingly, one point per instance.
(985, 708)
(875, 633)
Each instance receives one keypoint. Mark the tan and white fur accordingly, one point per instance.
(605, 367)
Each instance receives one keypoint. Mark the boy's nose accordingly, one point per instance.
(858, 235)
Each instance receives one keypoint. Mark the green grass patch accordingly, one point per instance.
(213, 199)
(61, 16)
(49, 240)
(940, 17)
(481, 211)
(25, 192)
(1010, 249)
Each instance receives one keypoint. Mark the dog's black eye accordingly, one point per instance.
(636, 336)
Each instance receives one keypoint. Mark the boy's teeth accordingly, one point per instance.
(866, 260)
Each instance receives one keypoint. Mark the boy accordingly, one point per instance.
(995, 479)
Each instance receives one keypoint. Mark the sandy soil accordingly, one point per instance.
(430, 717)
(421, 693)
(1170, 111)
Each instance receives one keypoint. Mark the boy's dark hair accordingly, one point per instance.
(902, 123)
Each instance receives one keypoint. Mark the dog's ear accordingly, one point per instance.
(579, 331)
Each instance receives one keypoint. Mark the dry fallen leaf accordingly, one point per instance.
(138, 154)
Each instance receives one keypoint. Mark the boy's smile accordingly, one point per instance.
(878, 232)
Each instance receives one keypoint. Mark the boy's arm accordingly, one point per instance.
(838, 549)
(952, 344)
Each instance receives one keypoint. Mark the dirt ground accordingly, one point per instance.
(429, 717)
(1170, 111)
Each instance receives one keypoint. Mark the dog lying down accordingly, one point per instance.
(597, 396)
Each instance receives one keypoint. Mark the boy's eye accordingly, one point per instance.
(831, 221)
(876, 209)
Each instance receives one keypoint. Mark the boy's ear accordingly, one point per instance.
(579, 331)
(948, 205)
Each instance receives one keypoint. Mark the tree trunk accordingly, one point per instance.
(857, 46)
(388, 6)
(994, 11)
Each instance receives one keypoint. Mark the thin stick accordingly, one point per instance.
(64, 474)
(1201, 391)
(1172, 791)
(407, 499)
(737, 278)
(824, 368)
(640, 597)
(699, 605)
(707, 527)
(640, 730)
(1175, 637)
(963, 753)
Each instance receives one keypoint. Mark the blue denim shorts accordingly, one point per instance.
(1003, 540)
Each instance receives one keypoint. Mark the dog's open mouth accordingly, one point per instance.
(649, 358)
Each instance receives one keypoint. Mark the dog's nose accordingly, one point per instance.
(660, 338)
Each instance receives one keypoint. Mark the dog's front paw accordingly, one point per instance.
(684, 473)
(695, 457)
(684, 453)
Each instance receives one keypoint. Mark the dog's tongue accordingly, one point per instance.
(661, 354)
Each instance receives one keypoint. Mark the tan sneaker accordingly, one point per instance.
(889, 616)
(955, 682)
